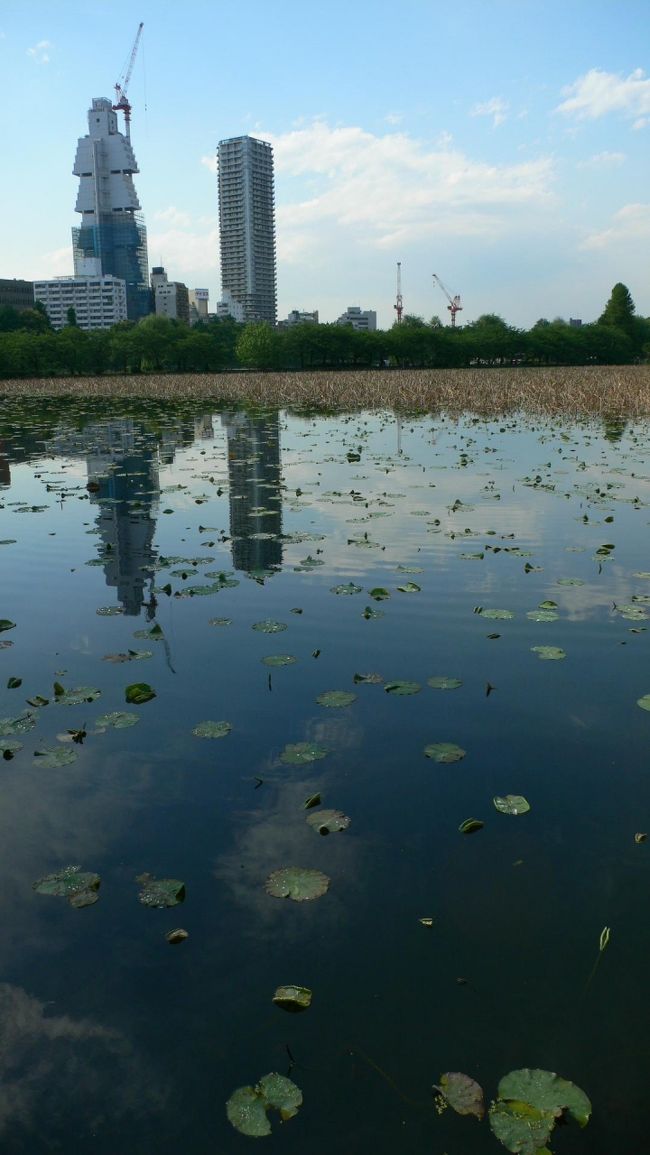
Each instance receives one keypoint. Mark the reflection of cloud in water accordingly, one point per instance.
(53, 1066)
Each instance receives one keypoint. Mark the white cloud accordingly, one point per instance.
(186, 252)
(599, 93)
(173, 217)
(393, 118)
(603, 160)
(41, 51)
(496, 108)
(629, 224)
(210, 162)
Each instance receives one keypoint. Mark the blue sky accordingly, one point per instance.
(502, 145)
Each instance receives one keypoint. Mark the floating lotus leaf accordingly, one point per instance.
(369, 613)
(292, 998)
(632, 613)
(512, 804)
(138, 693)
(529, 1103)
(160, 892)
(444, 683)
(542, 615)
(155, 634)
(444, 752)
(9, 747)
(300, 753)
(116, 720)
(129, 656)
(463, 1094)
(521, 1128)
(402, 688)
(328, 821)
(5, 624)
(349, 588)
(334, 698)
(297, 883)
(80, 888)
(220, 621)
(547, 605)
(53, 756)
(643, 702)
(109, 611)
(177, 935)
(370, 679)
(268, 626)
(247, 1106)
(379, 594)
(549, 653)
(471, 825)
(496, 615)
(570, 582)
(409, 588)
(21, 725)
(277, 660)
(410, 568)
(212, 729)
(75, 697)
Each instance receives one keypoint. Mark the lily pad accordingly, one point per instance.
(643, 702)
(21, 725)
(298, 883)
(379, 594)
(155, 634)
(549, 653)
(570, 582)
(277, 660)
(471, 825)
(521, 1128)
(220, 621)
(495, 615)
(52, 756)
(463, 1094)
(116, 720)
(444, 752)
(109, 611)
(9, 747)
(293, 998)
(542, 615)
(247, 1106)
(402, 688)
(349, 588)
(75, 697)
(160, 892)
(212, 729)
(128, 656)
(547, 1092)
(334, 698)
(369, 679)
(300, 753)
(5, 624)
(328, 821)
(79, 887)
(138, 693)
(409, 588)
(268, 626)
(444, 683)
(512, 804)
(369, 613)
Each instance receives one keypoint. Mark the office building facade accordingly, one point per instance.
(247, 228)
(98, 302)
(112, 238)
(16, 294)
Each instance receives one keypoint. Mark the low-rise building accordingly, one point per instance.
(299, 317)
(98, 302)
(171, 298)
(361, 319)
(16, 294)
(198, 305)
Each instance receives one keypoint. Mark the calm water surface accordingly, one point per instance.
(111, 1040)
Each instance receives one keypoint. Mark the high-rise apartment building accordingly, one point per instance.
(112, 238)
(247, 228)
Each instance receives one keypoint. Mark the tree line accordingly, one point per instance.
(29, 347)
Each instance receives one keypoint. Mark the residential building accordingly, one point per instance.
(98, 302)
(112, 238)
(230, 309)
(16, 294)
(364, 320)
(199, 305)
(300, 317)
(171, 298)
(247, 228)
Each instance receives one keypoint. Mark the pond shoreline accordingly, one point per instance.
(572, 391)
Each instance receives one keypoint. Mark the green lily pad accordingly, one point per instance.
(349, 588)
(547, 1092)
(5, 624)
(268, 626)
(128, 656)
(116, 720)
(9, 747)
(334, 698)
(369, 613)
(293, 998)
(444, 752)
(495, 615)
(409, 588)
(138, 693)
(155, 634)
(212, 729)
(471, 825)
(75, 697)
(369, 679)
(109, 611)
(79, 887)
(521, 1128)
(298, 883)
(52, 756)
(542, 615)
(328, 821)
(160, 892)
(277, 660)
(379, 594)
(549, 653)
(21, 725)
(247, 1106)
(444, 683)
(463, 1094)
(570, 582)
(300, 753)
(547, 605)
(220, 621)
(402, 688)
(643, 702)
(512, 804)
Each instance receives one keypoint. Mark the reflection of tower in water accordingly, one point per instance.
(255, 497)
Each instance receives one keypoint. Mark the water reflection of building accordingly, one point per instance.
(255, 496)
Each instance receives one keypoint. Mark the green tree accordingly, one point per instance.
(619, 310)
(257, 346)
(72, 316)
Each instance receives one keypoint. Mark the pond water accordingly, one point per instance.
(198, 524)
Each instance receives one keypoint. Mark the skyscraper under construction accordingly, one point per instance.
(112, 237)
(247, 228)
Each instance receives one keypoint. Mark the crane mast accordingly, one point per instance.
(454, 305)
(121, 102)
(399, 305)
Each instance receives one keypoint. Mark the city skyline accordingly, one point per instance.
(504, 149)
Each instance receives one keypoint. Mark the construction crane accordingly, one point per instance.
(454, 305)
(398, 306)
(121, 102)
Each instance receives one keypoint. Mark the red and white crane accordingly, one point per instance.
(454, 305)
(399, 304)
(121, 102)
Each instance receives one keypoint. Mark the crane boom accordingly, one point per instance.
(121, 102)
(454, 305)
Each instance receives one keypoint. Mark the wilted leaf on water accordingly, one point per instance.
(334, 698)
(5, 624)
(549, 653)
(444, 752)
(463, 1094)
(75, 697)
(470, 825)
(370, 679)
(14, 683)
(444, 683)
(546, 1091)
(637, 837)
(409, 588)
(297, 883)
(247, 1106)
(512, 804)
(21, 725)
(293, 998)
(328, 821)
(80, 888)
(37, 701)
(116, 720)
(268, 626)
(277, 660)
(402, 688)
(128, 656)
(299, 753)
(349, 588)
(138, 693)
(160, 892)
(52, 756)
(212, 729)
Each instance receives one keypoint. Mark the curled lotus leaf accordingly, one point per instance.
(269, 626)
(212, 729)
(79, 887)
(463, 1094)
(247, 1106)
(278, 660)
(160, 892)
(643, 702)
(20, 725)
(328, 821)
(5, 624)
(379, 593)
(444, 683)
(511, 804)
(471, 825)
(444, 752)
(138, 693)
(298, 883)
(409, 588)
(300, 753)
(549, 653)
(547, 604)
(347, 588)
(293, 998)
(334, 698)
(116, 720)
(402, 689)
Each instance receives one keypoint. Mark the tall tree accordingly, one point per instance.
(619, 310)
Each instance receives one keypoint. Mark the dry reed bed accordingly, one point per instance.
(606, 390)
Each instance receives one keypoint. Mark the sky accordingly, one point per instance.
(504, 146)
